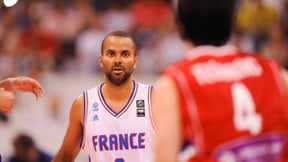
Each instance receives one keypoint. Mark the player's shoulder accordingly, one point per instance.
(93, 89)
(79, 100)
(142, 85)
(77, 108)
(256, 56)
(264, 61)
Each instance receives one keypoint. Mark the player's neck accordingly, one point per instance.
(189, 45)
(118, 91)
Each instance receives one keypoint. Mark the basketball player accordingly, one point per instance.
(231, 106)
(112, 121)
(21, 84)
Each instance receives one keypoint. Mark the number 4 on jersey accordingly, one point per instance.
(245, 116)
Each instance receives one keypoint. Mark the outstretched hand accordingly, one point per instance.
(23, 84)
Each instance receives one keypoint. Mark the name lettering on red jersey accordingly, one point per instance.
(212, 72)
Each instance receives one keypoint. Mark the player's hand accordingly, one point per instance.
(25, 84)
(7, 99)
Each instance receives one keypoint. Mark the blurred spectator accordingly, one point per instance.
(117, 17)
(276, 46)
(25, 150)
(37, 46)
(256, 19)
(64, 21)
(148, 15)
(167, 38)
(9, 34)
(88, 46)
(284, 17)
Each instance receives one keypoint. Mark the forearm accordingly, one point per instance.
(7, 99)
(6, 84)
(70, 146)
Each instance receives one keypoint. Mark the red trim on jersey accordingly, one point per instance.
(150, 108)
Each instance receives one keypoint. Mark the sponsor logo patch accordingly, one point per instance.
(140, 112)
(140, 103)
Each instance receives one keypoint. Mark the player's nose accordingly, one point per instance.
(118, 59)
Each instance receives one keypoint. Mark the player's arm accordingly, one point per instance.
(72, 141)
(284, 74)
(7, 99)
(165, 105)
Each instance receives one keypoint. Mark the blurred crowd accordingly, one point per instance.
(262, 27)
(64, 36)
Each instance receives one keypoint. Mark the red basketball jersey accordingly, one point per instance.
(233, 105)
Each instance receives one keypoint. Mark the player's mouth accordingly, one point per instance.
(117, 70)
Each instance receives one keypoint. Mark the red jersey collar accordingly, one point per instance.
(207, 50)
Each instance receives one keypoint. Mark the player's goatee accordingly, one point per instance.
(118, 80)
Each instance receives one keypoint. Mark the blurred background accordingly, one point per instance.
(58, 43)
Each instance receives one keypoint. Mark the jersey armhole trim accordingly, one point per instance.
(150, 88)
(85, 98)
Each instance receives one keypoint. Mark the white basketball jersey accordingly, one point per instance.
(126, 136)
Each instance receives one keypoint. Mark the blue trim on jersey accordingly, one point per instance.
(150, 95)
(124, 108)
(84, 123)
(151, 88)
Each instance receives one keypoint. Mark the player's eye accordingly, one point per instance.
(125, 53)
(110, 53)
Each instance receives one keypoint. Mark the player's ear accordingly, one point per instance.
(135, 61)
(101, 61)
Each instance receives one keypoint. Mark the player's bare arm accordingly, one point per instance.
(285, 77)
(23, 84)
(166, 112)
(71, 145)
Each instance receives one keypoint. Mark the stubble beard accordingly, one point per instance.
(118, 79)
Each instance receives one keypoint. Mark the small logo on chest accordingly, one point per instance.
(95, 106)
(95, 109)
(140, 103)
(95, 118)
